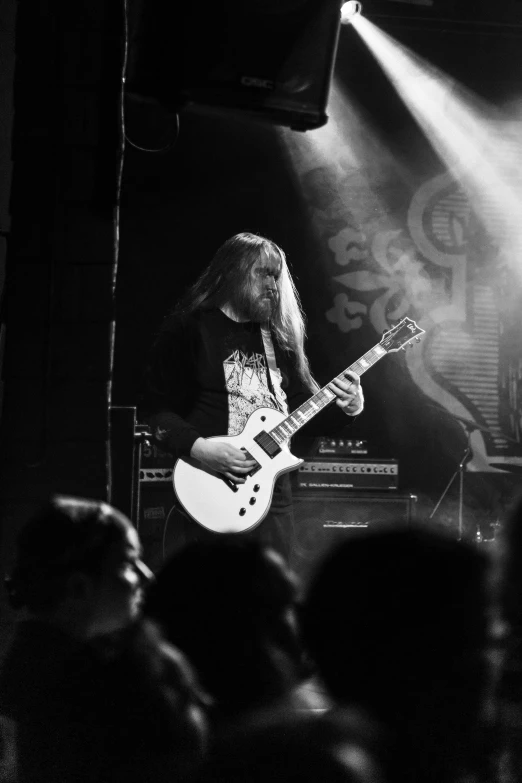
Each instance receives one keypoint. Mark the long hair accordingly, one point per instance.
(227, 278)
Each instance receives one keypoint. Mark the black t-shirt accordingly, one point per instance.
(207, 374)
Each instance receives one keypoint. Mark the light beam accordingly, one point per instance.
(481, 150)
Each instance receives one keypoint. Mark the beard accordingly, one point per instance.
(254, 308)
(261, 310)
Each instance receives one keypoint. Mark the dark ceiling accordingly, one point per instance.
(468, 12)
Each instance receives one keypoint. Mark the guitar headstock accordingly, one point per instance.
(400, 335)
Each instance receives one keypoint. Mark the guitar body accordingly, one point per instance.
(212, 502)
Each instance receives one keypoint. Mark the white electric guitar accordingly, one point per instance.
(224, 507)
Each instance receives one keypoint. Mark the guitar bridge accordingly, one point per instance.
(230, 484)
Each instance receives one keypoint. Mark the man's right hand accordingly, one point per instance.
(224, 458)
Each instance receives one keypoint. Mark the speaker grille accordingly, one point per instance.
(324, 519)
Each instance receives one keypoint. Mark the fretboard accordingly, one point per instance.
(322, 398)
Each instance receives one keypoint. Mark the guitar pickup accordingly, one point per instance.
(268, 444)
(249, 456)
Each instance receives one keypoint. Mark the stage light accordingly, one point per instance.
(349, 10)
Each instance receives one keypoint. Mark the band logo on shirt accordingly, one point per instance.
(246, 379)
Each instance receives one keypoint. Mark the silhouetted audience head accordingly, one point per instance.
(506, 706)
(96, 694)
(508, 571)
(284, 747)
(229, 605)
(396, 622)
(78, 563)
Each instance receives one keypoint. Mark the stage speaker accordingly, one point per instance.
(269, 59)
(156, 525)
(324, 519)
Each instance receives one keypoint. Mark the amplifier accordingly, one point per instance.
(154, 457)
(348, 474)
(155, 475)
(323, 519)
(340, 447)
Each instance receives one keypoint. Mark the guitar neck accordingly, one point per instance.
(322, 398)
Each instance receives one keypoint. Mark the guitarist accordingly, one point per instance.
(234, 343)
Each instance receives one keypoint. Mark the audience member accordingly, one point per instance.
(507, 636)
(396, 623)
(229, 605)
(290, 747)
(95, 693)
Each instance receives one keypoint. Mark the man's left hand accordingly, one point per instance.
(349, 393)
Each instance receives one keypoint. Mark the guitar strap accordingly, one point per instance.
(275, 377)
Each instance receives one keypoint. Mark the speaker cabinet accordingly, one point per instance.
(323, 519)
(156, 520)
(272, 60)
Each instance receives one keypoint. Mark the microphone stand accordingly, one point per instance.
(469, 426)
(460, 473)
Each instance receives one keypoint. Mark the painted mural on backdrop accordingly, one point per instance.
(436, 263)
